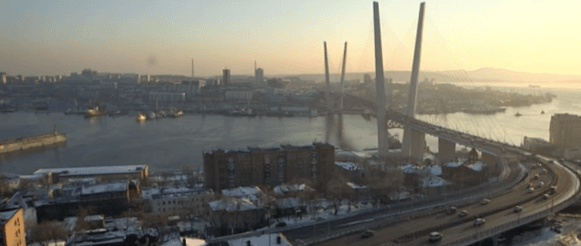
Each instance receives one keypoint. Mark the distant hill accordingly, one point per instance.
(479, 75)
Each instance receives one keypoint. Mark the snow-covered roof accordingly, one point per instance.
(286, 188)
(175, 242)
(290, 202)
(433, 181)
(32, 177)
(251, 193)
(104, 187)
(94, 218)
(240, 204)
(6, 215)
(452, 164)
(148, 193)
(435, 170)
(350, 166)
(409, 168)
(265, 239)
(477, 166)
(93, 170)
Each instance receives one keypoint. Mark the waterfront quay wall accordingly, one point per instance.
(18, 144)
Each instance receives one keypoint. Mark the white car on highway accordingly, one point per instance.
(484, 202)
(436, 236)
(530, 190)
(517, 209)
(546, 196)
(479, 222)
(540, 184)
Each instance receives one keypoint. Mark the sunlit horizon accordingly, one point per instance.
(47, 38)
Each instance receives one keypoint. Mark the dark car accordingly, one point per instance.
(281, 224)
(367, 234)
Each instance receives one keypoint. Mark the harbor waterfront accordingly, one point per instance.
(169, 143)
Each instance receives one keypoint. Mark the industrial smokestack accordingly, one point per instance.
(343, 76)
(327, 83)
(383, 144)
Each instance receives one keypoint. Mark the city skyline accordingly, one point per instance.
(45, 38)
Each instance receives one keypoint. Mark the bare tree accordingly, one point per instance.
(157, 221)
(5, 188)
(82, 213)
(48, 231)
(190, 178)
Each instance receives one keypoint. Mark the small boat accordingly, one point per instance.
(141, 117)
(176, 113)
(517, 114)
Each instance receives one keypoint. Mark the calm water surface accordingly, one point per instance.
(168, 144)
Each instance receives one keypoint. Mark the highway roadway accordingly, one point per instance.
(388, 215)
(423, 226)
(567, 184)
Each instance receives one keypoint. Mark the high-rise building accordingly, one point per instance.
(565, 131)
(2, 78)
(13, 233)
(224, 169)
(145, 78)
(226, 77)
(367, 79)
(259, 76)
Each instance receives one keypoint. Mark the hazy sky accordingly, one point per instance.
(285, 37)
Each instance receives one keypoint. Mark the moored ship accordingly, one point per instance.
(95, 110)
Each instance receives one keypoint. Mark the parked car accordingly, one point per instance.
(463, 213)
(436, 236)
(367, 234)
(517, 209)
(479, 222)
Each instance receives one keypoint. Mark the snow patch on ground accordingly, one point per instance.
(571, 230)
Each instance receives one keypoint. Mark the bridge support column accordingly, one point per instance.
(446, 151)
(495, 240)
(414, 144)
